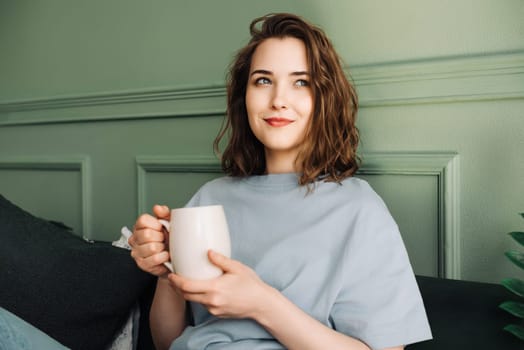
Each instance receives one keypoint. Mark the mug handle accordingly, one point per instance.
(167, 264)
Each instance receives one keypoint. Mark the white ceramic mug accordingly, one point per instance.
(192, 233)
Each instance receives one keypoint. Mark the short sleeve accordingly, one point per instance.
(379, 302)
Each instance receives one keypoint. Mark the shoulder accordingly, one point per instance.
(357, 189)
(220, 184)
(219, 181)
(356, 184)
(214, 191)
(214, 185)
(351, 191)
(366, 203)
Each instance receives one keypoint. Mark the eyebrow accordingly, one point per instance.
(267, 72)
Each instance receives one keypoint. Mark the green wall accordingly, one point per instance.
(109, 106)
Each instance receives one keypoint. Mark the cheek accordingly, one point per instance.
(303, 101)
(251, 95)
(306, 107)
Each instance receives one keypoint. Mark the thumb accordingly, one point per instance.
(221, 261)
(162, 211)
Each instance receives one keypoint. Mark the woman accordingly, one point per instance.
(317, 260)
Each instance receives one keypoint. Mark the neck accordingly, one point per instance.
(279, 163)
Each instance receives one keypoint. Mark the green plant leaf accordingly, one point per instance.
(516, 330)
(515, 285)
(516, 257)
(518, 236)
(513, 307)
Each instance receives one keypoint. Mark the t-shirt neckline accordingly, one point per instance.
(273, 181)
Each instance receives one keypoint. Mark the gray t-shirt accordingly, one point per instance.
(335, 252)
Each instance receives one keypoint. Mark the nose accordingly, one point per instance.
(279, 98)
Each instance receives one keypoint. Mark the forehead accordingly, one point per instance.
(274, 54)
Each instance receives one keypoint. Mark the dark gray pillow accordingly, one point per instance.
(79, 293)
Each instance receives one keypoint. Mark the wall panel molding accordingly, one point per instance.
(119, 105)
(435, 80)
(173, 164)
(445, 167)
(80, 163)
(441, 80)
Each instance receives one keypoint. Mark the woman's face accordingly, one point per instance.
(279, 100)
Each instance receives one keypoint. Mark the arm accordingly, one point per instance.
(167, 316)
(239, 293)
(297, 330)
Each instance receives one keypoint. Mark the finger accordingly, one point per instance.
(147, 235)
(147, 221)
(162, 212)
(188, 286)
(131, 241)
(199, 298)
(201, 292)
(223, 262)
(148, 249)
(153, 262)
(178, 281)
(159, 271)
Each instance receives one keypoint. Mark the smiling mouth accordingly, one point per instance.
(278, 122)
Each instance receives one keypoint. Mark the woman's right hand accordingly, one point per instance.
(149, 242)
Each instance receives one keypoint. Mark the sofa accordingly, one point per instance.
(465, 315)
(91, 295)
(82, 294)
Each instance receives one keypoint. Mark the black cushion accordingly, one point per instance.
(77, 292)
(465, 315)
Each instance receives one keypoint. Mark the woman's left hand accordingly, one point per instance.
(238, 293)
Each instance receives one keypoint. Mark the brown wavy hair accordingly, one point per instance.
(329, 149)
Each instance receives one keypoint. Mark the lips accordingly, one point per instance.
(278, 122)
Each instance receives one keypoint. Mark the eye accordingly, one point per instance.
(262, 81)
(302, 82)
